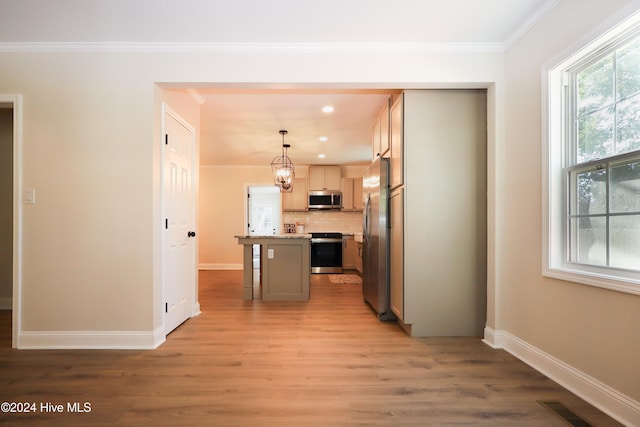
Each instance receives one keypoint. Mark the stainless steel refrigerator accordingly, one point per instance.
(375, 247)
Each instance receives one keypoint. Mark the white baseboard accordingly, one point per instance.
(220, 266)
(610, 401)
(6, 303)
(97, 340)
(196, 310)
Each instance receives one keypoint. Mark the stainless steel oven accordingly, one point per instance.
(326, 252)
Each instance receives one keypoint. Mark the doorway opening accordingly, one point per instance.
(10, 217)
(6, 219)
(264, 207)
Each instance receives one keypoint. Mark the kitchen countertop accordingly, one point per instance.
(276, 236)
(292, 236)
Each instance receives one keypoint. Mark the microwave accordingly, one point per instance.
(325, 200)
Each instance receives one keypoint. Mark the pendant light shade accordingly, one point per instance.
(282, 169)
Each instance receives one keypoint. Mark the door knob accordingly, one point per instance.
(191, 234)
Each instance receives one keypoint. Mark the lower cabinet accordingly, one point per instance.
(396, 250)
(349, 253)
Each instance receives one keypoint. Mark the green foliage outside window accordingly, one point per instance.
(603, 219)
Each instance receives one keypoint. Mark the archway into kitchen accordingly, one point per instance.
(221, 178)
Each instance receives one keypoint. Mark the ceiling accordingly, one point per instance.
(243, 128)
(240, 127)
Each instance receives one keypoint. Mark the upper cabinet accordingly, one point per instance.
(324, 178)
(358, 199)
(396, 155)
(297, 200)
(375, 142)
(351, 189)
(380, 142)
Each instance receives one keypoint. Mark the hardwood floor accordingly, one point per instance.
(326, 362)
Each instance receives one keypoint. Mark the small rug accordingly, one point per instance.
(345, 279)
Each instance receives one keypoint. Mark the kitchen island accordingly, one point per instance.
(284, 266)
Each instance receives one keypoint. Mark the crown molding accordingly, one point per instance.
(531, 21)
(159, 47)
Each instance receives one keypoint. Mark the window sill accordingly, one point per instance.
(628, 284)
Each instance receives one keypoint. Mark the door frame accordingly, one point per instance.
(247, 213)
(247, 217)
(14, 101)
(193, 286)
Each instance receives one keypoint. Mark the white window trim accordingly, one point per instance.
(553, 96)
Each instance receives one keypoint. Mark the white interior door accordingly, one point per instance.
(179, 209)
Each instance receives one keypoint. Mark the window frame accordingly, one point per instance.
(559, 131)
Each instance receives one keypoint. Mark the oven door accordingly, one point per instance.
(326, 255)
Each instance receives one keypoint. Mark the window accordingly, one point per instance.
(593, 191)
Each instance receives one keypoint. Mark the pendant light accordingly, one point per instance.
(282, 169)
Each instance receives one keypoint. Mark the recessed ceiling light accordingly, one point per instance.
(327, 109)
(323, 139)
(321, 156)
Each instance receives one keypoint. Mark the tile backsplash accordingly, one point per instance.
(325, 221)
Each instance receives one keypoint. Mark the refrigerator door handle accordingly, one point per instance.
(367, 214)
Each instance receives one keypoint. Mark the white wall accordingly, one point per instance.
(593, 330)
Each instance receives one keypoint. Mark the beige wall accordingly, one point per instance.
(593, 330)
(87, 150)
(6, 207)
(221, 210)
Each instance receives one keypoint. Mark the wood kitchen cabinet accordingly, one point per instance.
(380, 142)
(297, 200)
(396, 151)
(438, 212)
(349, 253)
(351, 189)
(358, 199)
(375, 142)
(324, 178)
(396, 250)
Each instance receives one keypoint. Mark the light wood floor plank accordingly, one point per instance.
(325, 362)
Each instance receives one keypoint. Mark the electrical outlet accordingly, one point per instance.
(270, 253)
